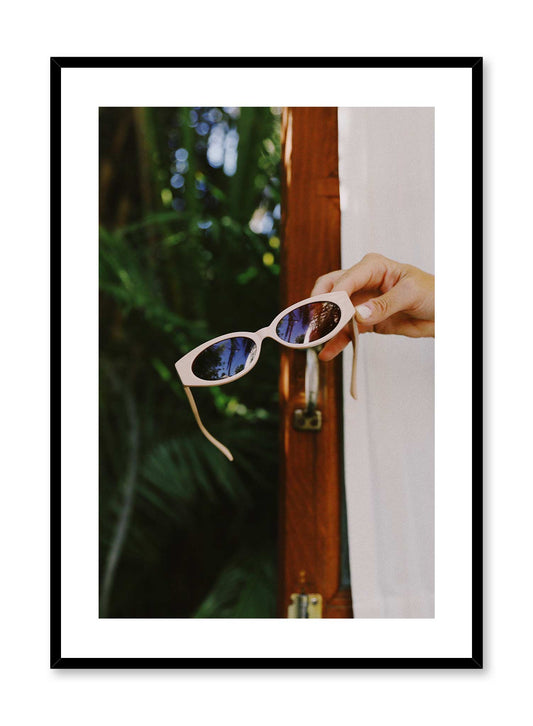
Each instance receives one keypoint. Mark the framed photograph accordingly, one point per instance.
(266, 373)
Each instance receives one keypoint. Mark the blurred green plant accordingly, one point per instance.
(189, 249)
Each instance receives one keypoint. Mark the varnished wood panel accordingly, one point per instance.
(311, 462)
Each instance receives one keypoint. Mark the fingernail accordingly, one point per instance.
(363, 311)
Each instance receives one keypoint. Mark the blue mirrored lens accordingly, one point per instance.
(308, 323)
(224, 359)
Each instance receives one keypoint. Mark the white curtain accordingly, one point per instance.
(386, 166)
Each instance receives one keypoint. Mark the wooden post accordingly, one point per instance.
(312, 463)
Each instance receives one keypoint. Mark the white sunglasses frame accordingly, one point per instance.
(184, 365)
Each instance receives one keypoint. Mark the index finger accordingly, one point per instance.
(369, 273)
(326, 282)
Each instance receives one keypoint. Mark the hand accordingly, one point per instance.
(390, 298)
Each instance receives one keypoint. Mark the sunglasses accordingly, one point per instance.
(308, 323)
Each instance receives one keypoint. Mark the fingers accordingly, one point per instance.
(334, 346)
(380, 308)
(389, 297)
(326, 282)
(370, 273)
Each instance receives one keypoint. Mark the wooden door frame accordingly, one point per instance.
(311, 463)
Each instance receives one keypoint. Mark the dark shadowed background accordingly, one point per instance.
(189, 250)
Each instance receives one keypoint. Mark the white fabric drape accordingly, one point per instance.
(386, 165)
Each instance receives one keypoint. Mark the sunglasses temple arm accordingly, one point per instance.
(355, 341)
(227, 453)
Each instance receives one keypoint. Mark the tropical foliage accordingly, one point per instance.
(189, 246)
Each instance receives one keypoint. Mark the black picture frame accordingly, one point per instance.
(57, 661)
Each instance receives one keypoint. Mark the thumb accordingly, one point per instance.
(378, 309)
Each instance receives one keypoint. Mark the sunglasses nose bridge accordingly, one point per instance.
(264, 333)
